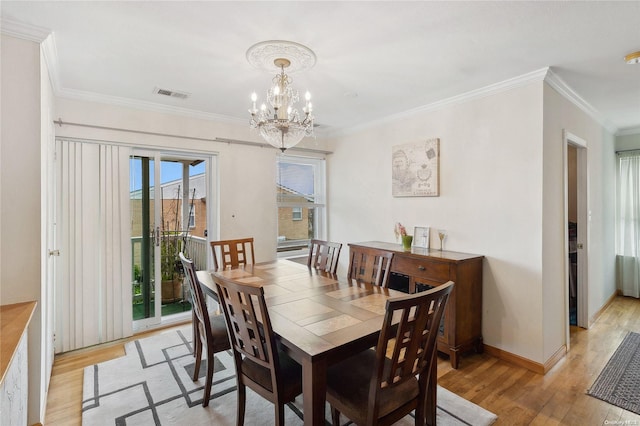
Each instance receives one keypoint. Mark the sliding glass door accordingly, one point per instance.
(168, 216)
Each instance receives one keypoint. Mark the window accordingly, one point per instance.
(628, 224)
(192, 218)
(300, 185)
(296, 213)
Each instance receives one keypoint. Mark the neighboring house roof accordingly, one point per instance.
(290, 193)
(169, 190)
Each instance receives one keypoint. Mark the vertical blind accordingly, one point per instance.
(628, 224)
(93, 283)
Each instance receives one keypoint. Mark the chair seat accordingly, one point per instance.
(348, 385)
(290, 374)
(219, 332)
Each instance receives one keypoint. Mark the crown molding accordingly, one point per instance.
(46, 38)
(50, 55)
(24, 31)
(553, 80)
(144, 105)
(544, 74)
(538, 75)
(512, 83)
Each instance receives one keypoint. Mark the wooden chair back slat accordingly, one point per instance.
(198, 298)
(259, 364)
(398, 374)
(409, 334)
(411, 341)
(232, 253)
(249, 323)
(370, 265)
(324, 255)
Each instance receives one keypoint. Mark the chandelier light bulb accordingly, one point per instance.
(253, 109)
(307, 96)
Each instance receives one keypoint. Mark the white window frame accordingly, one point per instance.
(319, 196)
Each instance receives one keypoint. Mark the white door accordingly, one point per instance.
(166, 218)
(145, 242)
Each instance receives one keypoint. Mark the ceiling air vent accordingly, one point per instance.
(171, 93)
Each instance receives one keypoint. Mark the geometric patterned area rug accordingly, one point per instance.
(152, 385)
(619, 381)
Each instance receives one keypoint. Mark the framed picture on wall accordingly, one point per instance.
(415, 169)
(421, 236)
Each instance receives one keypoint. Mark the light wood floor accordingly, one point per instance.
(516, 395)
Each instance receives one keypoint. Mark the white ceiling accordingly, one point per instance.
(396, 56)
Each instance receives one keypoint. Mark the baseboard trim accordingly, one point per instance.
(609, 301)
(536, 367)
(511, 358)
(553, 360)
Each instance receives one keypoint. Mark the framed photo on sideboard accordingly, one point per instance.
(421, 236)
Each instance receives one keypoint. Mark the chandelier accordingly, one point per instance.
(278, 120)
(281, 124)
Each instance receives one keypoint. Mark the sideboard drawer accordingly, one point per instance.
(422, 268)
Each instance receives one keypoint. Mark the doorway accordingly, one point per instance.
(576, 228)
(166, 218)
(572, 232)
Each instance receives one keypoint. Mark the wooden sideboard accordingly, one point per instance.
(14, 354)
(421, 269)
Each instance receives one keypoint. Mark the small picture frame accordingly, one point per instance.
(421, 236)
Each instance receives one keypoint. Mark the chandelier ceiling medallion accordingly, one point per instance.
(632, 58)
(278, 120)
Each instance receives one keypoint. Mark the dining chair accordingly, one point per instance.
(209, 330)
(323, 255)
(232, 253)
(260, 362)
(382, 385)
(369, 265)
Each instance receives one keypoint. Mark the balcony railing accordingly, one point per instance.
(196, 249)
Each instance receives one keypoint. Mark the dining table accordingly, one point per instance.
(318, 317)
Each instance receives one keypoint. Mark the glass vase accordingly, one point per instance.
(406, 242)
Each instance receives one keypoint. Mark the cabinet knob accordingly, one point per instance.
(421, 268)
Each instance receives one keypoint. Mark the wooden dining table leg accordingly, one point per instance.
(314, 388)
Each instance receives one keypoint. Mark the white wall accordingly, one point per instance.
(501, 196)
(20, 195)
(559, 115)
(491, 200)
(626, 142)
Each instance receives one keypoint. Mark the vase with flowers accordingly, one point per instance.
(401, 233)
